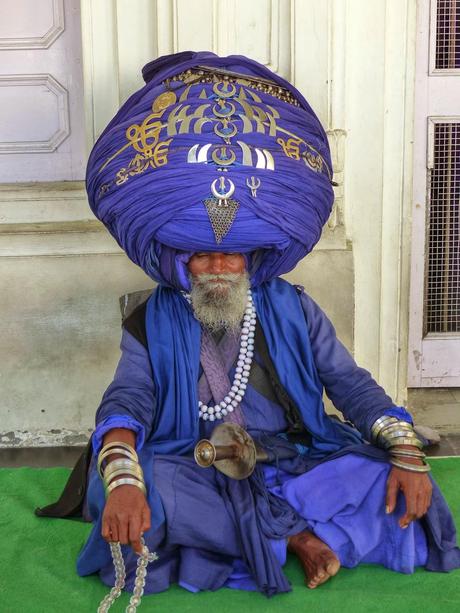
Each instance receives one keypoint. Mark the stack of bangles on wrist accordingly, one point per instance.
(122, 471)
(390, 432)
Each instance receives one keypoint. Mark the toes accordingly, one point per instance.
(333, 567)
(322, 576)
(317, 580)
(310, 584)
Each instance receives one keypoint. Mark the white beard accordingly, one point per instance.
(220, 306)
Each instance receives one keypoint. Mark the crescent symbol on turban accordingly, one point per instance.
(222, 195)
(223, 156)
(227, 131)
(227, 91)
(225, 110)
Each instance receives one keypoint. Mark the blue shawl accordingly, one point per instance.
(173, 335)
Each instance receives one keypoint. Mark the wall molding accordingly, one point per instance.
(75, 240)
(39, 42)
(62, 104)
(50, 219)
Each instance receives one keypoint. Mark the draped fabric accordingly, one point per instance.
(174, 347)
(216, 361)
(174, 340)
(184, 139)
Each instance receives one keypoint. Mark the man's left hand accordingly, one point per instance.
(416, 488)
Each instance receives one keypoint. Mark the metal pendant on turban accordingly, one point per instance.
(222, 208)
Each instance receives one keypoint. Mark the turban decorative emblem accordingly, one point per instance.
(212, 154)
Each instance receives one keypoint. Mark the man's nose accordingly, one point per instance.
(217, 264)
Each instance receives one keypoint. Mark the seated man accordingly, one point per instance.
(228, 188)
(345, 510)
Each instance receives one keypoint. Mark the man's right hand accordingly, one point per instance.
(126, 516)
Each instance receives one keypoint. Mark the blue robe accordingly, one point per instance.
(222, 532)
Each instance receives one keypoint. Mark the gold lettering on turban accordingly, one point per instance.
(237, 110)
(291, 147)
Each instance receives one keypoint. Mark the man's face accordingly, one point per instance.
(219, 288)
(217, 271)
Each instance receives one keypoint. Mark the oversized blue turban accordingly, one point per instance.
(212, 154)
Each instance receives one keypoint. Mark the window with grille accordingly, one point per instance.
(447, 34)
(442, 295)
(434, 322)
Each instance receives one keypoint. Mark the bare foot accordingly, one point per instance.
(319, 561)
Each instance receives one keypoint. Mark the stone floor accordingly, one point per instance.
(438, 408)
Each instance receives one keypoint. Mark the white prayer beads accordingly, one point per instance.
(120, 578)
(243, 368)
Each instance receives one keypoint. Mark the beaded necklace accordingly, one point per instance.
(243, 368)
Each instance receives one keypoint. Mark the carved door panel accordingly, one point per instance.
(41, 93)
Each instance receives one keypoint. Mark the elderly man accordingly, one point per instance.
(343, 511)
(216, 179)
(219, 290)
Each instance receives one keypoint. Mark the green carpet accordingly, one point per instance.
(37, 559)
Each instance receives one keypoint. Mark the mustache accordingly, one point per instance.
(207, 278)
(219, 300)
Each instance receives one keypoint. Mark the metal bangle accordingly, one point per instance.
(103, 455)
(120, 463)
(126, 446)
(392, 428)
(414, 442)
(133, 470)
(119, 445)
(398, 425)
(127, 465)
(138, 474)
(107, 450)
(407, 453)
(411, 467)
(380, 423)
(398, 434)
(396, 422)
(126, 481)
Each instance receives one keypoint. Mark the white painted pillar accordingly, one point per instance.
(379, 116)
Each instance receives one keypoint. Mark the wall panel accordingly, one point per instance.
(42, 135)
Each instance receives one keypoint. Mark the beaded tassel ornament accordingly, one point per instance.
(120, 577)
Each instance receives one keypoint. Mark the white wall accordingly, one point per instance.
(354, 62)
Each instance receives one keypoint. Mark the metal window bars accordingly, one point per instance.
(442, 279)
(447, 56)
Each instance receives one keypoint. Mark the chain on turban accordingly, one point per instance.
(212, 154)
